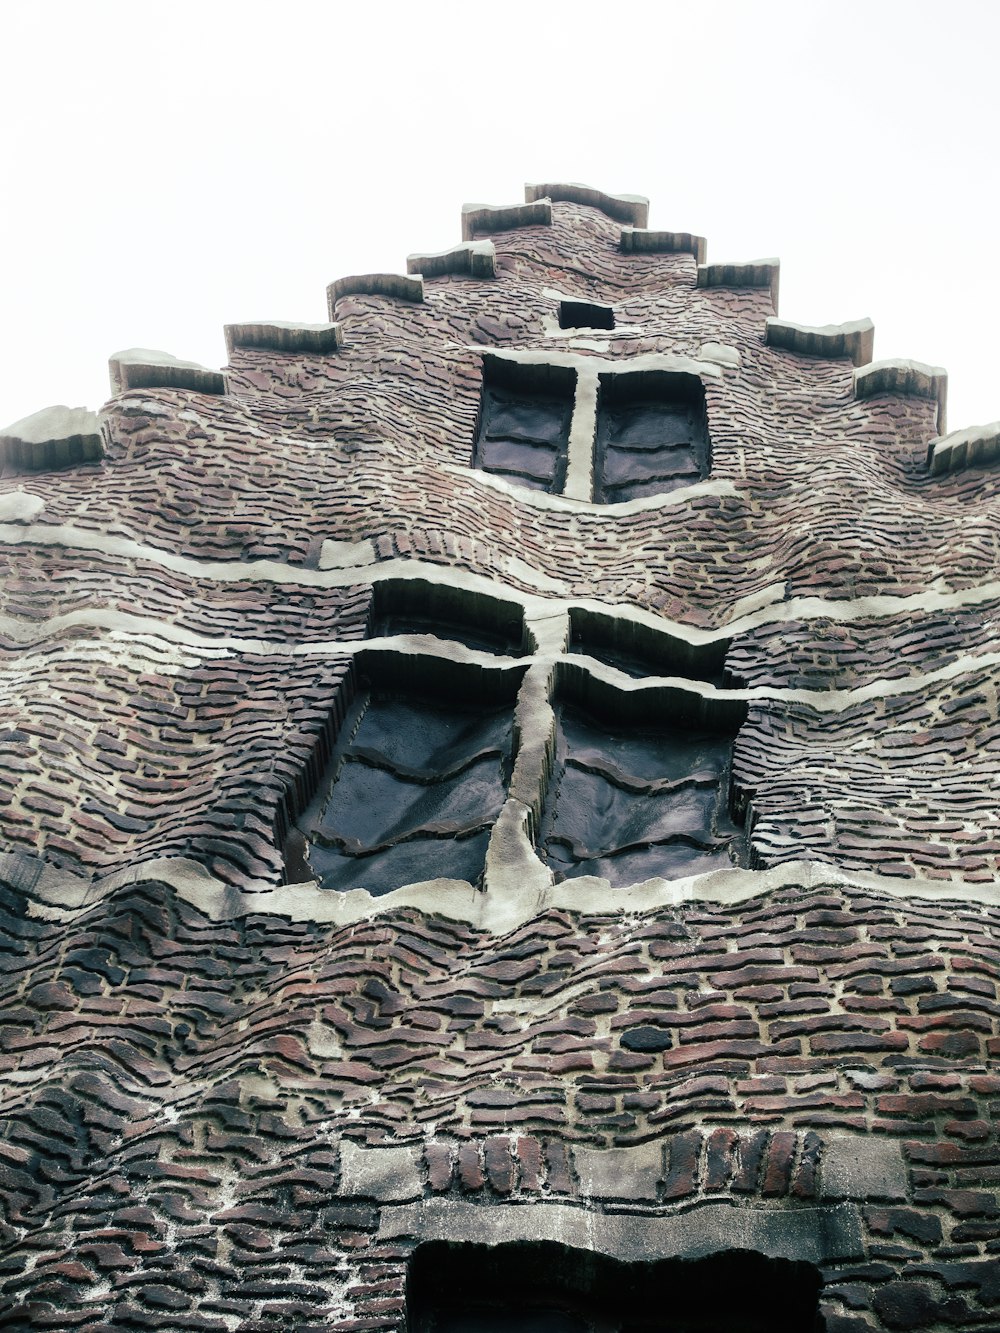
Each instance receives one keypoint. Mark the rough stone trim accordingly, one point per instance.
(504, 217)
(55, 437)
(815, 1235)
(905, 377)
(277, 336)
(631, 208)
(754, 273)
(396, 286)
(976, 446)
(473, 259)
(640, 241)
(356, 562)
(143, 368)
(855, 339)
(53, 893)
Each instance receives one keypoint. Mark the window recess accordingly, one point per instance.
(640, 650)
(585, 315)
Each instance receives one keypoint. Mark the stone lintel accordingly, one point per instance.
(901, 376)
(277, 336)
(814, 1235)
(55, 437)
(641, 241)
(630, 208)
(855, 339)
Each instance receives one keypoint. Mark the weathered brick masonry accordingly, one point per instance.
(239, 1097)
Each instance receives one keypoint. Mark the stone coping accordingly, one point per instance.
(630, 208)
(395, 286)
(753, 273)
(55, 437)
(504, 217)
(474, 259)
(976, 446)
(144, 368)
(855, 339)
(902, 376)
(277, 336)
(641, 241)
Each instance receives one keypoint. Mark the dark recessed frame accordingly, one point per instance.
(416, 777)
(652, 435)
(477, 620)
(544, 1287)
(641, 784)
(524, 423)
(585, 315)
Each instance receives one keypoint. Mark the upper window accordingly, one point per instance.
(652, 435)
(618, 436)
(524, 423)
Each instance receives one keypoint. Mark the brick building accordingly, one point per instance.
(499, 815)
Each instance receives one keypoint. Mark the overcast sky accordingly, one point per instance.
(171, 167)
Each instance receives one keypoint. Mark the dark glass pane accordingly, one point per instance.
(652, 435)
(413, 792)
(632, 803)
(524, 433)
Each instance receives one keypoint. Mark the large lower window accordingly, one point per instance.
(416, 778)
(631, 799)
(652, 435)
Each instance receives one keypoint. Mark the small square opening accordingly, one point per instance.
(585, 315)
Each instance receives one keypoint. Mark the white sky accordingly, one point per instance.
(170, 167)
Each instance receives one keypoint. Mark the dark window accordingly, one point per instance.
(639, 790)
(652, 435)
(524, 423)
(544, 1287)
(416, 778)
(585, 315)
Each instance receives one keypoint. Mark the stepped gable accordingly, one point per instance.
(511, 766)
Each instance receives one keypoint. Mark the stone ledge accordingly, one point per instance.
(631, 208)
(901, 376)
(277, 336)
(504, 217)
(815, 1235)
(976, 446)
(143, 368)
(861, 1167)
(388, 1174)
(640, 241)
(55, 437)
(753, 273)
(473, 259)
(855, 339)
(396, 286)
